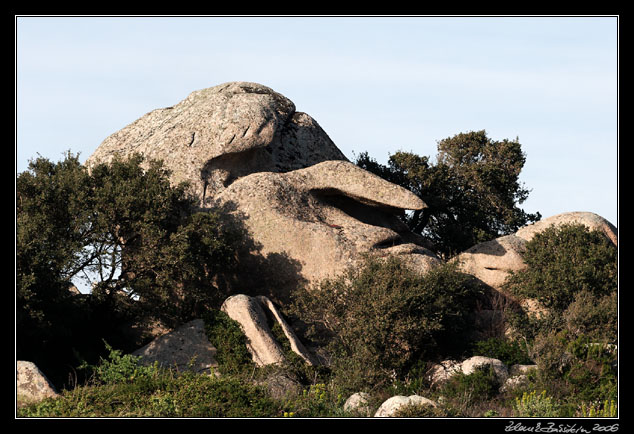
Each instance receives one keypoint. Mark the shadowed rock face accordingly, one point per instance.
(326, 216)
(244, 147)
(186, 348)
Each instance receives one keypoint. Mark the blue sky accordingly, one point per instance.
(375, 84)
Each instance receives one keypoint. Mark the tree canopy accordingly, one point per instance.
(139, 244)
(472, 190)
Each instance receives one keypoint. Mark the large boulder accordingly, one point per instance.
(470, 365)
(358, 403)
(218, 134)
(492, 261)
(185, 348)
(590, 220)
(31, 384)
(393, 404)
(322, 219)
(443, 371)
(308, 210)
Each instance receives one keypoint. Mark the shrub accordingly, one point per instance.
(508, 352)
(420, 410)
(227, 337)
(563, 261)
(595, 317)
(464, 390)
(383, 317)
(131, 236)
(604, 409)
(318, 400)
(573, 272)
(119, 368)
(533, 405)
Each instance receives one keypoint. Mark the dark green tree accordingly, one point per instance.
(564, 261)
(137, 241)
(472, 191)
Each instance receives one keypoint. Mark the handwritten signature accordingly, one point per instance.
(551, 427)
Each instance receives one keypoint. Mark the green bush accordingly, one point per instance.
(119, 368)
(122, 388)
(317, 400)
(382, 317)
(573, 273)
(420, 410)
(563, 261)
(465, 390)
(139, 242)
(227, 337)
(508, 352)
(534, 405)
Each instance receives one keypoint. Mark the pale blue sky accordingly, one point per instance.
(376, 84)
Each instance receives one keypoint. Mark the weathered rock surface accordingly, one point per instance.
(324, 217)
(218, 134)
(445, 370)
(518, 375)
(392, 405)
(186, 348)
(358, 403)
(264, 349)
(251, 314)
(470, 365)
(244, 146)
(296, 345)
(492, 261)
(31, 384)
(590, 220)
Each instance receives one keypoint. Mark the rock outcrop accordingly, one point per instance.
(324, 217)
(591, 220)
(186, 348)
(358, 403)
(244, 147)
(251, 314)
(219, 134)
(492, 261)
(31, 384)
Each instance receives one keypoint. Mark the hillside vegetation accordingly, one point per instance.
(381, 327)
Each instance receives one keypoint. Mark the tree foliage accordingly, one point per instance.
(138, 242)
(472, 190)
(563, 262)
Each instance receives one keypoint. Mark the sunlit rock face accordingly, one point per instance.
(219, 134)
(309, 211)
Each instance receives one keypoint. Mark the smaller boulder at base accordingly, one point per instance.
(31, 384)
(392, 405)
(186, 348)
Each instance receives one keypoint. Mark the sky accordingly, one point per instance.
(378, 84)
